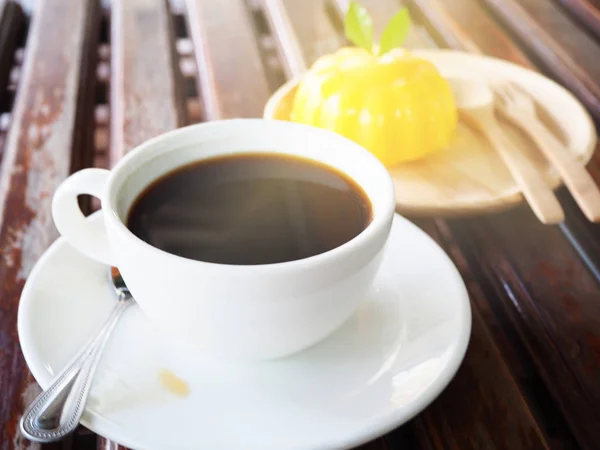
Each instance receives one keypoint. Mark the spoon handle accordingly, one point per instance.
(539, 195)
(56, 411)
(579, 181)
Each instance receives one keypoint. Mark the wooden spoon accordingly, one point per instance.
(519, 108)
(475, 103)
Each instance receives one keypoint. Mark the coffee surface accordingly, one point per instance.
(250, 209)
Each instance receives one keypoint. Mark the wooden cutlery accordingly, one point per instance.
(519, 108)
(475, 103)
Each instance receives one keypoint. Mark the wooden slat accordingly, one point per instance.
(312, 28)
(106, 444)
(146, 89)
(489, 387)
(4, 124)
(293, 60)
(232, 80)
(551, 302)
(54, 97)
(81, 439)
(444, 31)
(585, 11)
(464, 25)
(566, 33)
(584, 236)
(547, 50)
(146, 86)
(570, 55)
(12, 20)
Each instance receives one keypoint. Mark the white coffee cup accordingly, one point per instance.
(233, 311)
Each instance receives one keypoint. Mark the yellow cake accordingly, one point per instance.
(397, 106)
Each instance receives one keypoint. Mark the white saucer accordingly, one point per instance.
(381, 368)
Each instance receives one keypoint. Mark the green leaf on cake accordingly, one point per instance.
(358, 27)
(395, 32)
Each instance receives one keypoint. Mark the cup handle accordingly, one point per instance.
(88, 237)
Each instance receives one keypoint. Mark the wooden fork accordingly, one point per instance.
(518, 107)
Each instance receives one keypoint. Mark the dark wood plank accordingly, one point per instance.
(567, 33)
(106, 444)
(83, 147)
(444, 31)
(146, 86)
(12, 28)
(490, 385)
(550, 303)
(4, 125)
(81, 439)
(583, 235)
(294, 61)
(53, 101)
(12, 21)
(586, 12)
(464, 25)
(554, 58)
(312, 28)
(232, 81)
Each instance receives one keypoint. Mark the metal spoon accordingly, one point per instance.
(56, 411)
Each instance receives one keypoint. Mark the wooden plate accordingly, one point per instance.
(468, 177)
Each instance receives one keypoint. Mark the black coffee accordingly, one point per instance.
(250, 209)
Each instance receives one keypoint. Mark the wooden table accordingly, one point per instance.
(81, 85)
